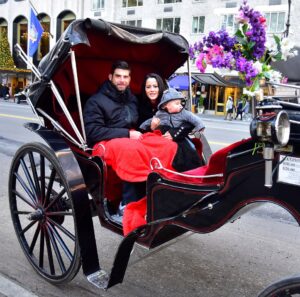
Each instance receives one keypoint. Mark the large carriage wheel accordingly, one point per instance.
(42, 213)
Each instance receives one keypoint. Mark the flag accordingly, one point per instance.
(35, 31)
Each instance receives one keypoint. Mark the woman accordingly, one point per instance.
(152, 90)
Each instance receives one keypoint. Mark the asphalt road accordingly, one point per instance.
(239, 259)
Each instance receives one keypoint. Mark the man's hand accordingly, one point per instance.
(135, 134)
(154, 123)
(168, 136)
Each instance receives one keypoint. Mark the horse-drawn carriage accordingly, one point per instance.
(56, 189)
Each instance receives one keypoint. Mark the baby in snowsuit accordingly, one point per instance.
(176, 123)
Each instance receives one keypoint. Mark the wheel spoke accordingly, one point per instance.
(21, 181)
(56, 250)
(50, 185)
(59, 213)
(62, 229)
(42, 178)
(22, 212)
(35, 237)
(61, 242)
(24, 199)
(42, 244)
(34, 173)
(29, 178)
(59, 195)
(50, 256)
(27, 227)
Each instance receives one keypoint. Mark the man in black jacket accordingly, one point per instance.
(111, 113)
(113, 110)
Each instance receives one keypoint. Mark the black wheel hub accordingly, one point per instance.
(37, 215)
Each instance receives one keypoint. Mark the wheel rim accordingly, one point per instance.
(43, 216)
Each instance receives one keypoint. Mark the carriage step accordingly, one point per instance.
(99, 279)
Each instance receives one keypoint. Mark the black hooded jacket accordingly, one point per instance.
(109, 114)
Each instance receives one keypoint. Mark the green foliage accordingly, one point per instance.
(6, 59)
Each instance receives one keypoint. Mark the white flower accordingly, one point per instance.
(275, 76)
(258, 66)
(248, 93)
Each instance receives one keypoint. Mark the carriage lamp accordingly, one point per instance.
(271, 126)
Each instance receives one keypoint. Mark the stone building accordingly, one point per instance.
(191, 18)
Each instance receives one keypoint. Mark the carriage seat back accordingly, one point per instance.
(216, 164)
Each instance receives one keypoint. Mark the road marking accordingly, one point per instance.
(228, 129)
(11, 289)
(219, 143)
(17, 117)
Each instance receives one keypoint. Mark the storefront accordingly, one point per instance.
(212, 91)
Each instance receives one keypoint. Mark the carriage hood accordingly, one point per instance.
(97, 44)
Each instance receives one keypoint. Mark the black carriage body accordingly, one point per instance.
(175, 203)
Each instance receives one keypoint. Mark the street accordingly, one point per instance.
(238, 260)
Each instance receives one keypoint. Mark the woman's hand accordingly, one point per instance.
(168, 136)
(154, 123)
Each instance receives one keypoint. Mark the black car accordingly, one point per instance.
(20, 97)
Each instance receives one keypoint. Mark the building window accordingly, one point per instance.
(230, 4)
(44, 44)
(198, 24)
(136, 23)
(228, 23)
(64, 19)
(3, 1)
(168, 24)
(168, 1)
(275, 22)
(98, 4)
(132, 3)
(274, 2)
(3, 28)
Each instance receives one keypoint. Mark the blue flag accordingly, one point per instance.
(35, 31)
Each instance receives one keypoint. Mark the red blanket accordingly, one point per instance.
(130, 158)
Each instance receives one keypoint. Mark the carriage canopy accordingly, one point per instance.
(97, 44)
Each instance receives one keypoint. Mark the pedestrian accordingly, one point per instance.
(5, 92)
(239, 109)
(246, 109)
(229, 108)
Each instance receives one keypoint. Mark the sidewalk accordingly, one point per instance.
(220, 118)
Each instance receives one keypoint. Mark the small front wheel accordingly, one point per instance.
(42, 213)
(287, 287)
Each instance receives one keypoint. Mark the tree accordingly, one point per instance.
(6, 59)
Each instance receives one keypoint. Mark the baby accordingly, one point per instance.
(176, 123)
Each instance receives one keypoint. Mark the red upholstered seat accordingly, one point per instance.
(134, 215)
(216, 163)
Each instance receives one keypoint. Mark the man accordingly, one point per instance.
(111, 113)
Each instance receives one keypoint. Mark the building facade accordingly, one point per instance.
(191, 18)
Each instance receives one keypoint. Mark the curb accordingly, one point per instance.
(10, 289)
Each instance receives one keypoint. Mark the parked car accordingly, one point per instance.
(20, 97)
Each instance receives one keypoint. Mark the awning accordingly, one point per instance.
(217, 80)
(180, 82)
(289, 68)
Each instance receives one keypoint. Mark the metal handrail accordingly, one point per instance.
(283, 85)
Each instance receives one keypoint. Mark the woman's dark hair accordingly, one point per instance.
(161, 86)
